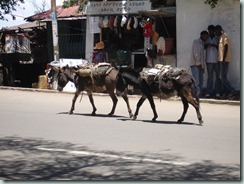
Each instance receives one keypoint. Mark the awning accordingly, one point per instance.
(162, 12)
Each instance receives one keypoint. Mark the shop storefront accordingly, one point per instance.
(121, 32)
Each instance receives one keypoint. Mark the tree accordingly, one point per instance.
(212, 3)
(8, 6)
(69, 3)
(39, 7)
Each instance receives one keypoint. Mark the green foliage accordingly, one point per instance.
(8, 6)
(212, 3)
(69, 3)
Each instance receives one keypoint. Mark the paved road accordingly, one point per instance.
(39, 140)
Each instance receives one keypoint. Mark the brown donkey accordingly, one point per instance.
(106, 82)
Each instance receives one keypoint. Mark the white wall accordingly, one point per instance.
(89, 41)
(193, 16)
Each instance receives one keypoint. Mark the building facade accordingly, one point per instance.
(193, 16)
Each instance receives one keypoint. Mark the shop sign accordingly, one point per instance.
(93, 25)
(116, 7)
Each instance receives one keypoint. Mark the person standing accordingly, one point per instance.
(224, 58)
(198, 60)
(211, 47)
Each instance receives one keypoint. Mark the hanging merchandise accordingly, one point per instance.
(119, 20)
(123, 21)
(105, 22)
(128, 23)
(161, 46)
(111, 22)
(131, 22)
(147, 29)
(116, 21)
(142, 22)
(100, 22)
(135, 23)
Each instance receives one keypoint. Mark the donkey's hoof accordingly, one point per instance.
(200, 122)
(154, 120)
(134, 117)
(179, 121)
(93, 114)
(70, 112)
(110, 114)
(130, 115)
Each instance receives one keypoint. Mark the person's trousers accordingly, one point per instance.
(211, 69)
(197, 73)
(223, 67)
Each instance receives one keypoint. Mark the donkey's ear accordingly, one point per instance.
(61, 70)
(74, 69)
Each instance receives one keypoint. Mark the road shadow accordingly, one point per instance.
(23, 159)
(170, 122)
(158, 122)
(124, 118)
(91, 115)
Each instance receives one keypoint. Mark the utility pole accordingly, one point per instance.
(55, 30)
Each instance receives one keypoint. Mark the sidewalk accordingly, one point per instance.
(202, 100)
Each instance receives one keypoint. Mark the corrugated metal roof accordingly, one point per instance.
(61, 13)
(27, 25)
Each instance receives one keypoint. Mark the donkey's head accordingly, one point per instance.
(65, 75)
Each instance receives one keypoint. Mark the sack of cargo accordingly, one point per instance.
(85, 72)
(94, 71)
(148, 74)
(100, 69)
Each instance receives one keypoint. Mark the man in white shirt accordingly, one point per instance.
(198, 60)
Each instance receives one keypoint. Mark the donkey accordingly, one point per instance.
(105, 82)
(185, 87)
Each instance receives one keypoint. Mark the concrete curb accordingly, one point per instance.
(211, 101)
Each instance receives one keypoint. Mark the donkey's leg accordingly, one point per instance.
(126, 99)
(139, 103)
(77, 92)
(92, 102)
(188, 98)
(196, 105)
(151, 101)
(146, 91)
(185, 106)
(114, 99)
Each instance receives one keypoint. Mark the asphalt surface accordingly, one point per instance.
(40, 142)
(202, 100)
